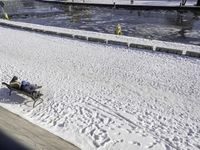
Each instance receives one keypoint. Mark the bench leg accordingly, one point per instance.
(34, 102)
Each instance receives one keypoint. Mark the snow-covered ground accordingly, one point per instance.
(104, 97)
(136, 2)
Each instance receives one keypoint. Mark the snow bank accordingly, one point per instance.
(104, 97)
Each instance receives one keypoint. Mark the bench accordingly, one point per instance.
(34, 98)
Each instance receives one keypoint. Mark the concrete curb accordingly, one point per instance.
(98, 40)
(102, 38)
(80, 37)
(147, 47)
(192, 54)
(118, 43)
(168, 50)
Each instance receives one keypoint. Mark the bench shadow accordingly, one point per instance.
(9, 143)
(14, 98)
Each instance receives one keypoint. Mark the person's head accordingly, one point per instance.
(15, 78)
(118, 26)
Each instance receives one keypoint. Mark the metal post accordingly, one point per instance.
(132, 1)
(198, 2)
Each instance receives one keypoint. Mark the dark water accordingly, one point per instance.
(183, 27)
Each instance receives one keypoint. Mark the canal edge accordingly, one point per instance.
(103, 38)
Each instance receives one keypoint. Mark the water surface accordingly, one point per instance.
(178, 26)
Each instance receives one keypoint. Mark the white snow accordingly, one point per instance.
(104, 97)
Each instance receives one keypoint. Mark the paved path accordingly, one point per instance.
(18, 133)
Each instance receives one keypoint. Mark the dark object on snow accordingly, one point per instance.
(132, 1)
(1, 4)
(183, 2)
(35, 95)
(198, 2)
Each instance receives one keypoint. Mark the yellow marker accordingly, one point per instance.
(5, 14)
(118, 29)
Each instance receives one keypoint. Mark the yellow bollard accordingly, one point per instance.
(118, 29)
(6, 16)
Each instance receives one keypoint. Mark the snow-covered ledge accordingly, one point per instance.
(132, 42)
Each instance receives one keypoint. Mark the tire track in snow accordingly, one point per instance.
(130, 122)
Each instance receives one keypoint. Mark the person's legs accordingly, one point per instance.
(34, 87)
(30, 88)
(36, 94)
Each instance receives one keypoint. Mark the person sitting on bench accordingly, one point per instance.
(14, 83)
(24, 85)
